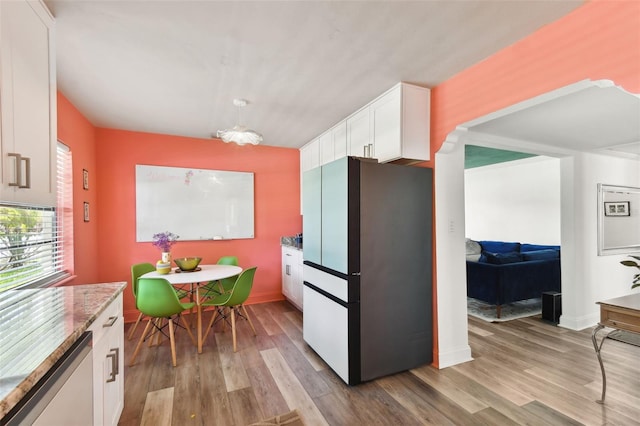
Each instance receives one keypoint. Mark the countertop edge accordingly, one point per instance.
(19, 392)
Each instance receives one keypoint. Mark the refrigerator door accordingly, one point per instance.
(312, 214)
(335, 215)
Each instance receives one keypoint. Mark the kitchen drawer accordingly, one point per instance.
(108, 319)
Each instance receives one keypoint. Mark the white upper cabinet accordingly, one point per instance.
(393, 127)
(333, 143)
(310, 156)
(327, 153)
(400, 124)
(358, 133)
(339, 139)
(28, 103)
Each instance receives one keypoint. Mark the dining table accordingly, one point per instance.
(203, 274)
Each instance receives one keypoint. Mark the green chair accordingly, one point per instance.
(136, 272)
(157, 299)
(233, 300)
(213, 288)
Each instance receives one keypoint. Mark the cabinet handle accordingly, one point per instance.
(110, 321)
(288, 269)
(114, 364)
(18, 169)
(27, 167)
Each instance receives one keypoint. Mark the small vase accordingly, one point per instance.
(166, 257)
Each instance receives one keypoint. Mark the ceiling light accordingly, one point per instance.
(240, 134)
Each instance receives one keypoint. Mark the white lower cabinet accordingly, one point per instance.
(108, 365)
(292, 275)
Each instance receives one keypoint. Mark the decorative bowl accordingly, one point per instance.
(163, 267)
(187, 263)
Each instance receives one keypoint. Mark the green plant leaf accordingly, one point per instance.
(629, 263)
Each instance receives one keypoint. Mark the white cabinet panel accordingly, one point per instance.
(28, 103)
(292, 275)
(108, 365)
(358, 135)
(325, 329)
(385, 126)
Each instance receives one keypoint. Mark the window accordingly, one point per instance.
(32, 249)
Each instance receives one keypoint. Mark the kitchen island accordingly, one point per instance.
(37, 327)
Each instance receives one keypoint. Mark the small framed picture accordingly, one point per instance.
(85, 179)
(86, 211)
(617, 208)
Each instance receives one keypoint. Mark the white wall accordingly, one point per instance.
(514, 201)
(586, 277)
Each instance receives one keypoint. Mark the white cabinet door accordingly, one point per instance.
(400, 124)
(108, 365)
(28, 103)
(339, 140)
(286, 273)
(385, 126)
(291, 275)
(358, 132)
(326, 148)
(310, 155)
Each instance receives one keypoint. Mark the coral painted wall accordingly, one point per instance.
(600, 40)
(277, 204)
(75, 131)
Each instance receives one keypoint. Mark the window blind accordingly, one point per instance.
(32, 237)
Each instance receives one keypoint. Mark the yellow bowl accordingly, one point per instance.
(187, 263)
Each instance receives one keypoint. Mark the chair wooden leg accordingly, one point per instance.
(213, 318)
(184, 323)
(133, 329)
(233, 327)
(173, 343)
(246, 314)
(144, 333)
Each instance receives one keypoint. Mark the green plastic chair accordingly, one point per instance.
(233, 300)
(157, 299)
(136, 272)
(212, 288)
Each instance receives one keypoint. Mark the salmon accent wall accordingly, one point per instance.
(600, 40)
(277, 204)
(75, 131)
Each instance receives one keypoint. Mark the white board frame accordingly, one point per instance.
(195, 204)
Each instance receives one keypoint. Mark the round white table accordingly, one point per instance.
(204, 275)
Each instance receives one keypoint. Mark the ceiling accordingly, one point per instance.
(174, 67)
(593, 116)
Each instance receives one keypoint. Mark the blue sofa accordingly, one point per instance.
(507, 272)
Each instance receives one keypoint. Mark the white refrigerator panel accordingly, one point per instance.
(325, 329)
(333, 285)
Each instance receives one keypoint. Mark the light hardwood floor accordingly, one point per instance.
(524, 372)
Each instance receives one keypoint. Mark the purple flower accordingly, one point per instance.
(164, 240)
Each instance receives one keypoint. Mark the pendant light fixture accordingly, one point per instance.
(240, 134)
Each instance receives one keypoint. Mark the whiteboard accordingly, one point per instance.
(195, 204)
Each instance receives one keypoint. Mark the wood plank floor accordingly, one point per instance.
(525, 372)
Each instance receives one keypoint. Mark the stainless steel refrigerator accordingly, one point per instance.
(367, 294)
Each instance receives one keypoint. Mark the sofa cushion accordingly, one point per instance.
(501, 258)
(500, 246)
(541, 254)
(473, 250)
(536, 247)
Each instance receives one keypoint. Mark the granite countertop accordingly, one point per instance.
(292, 242)
(37, 326)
